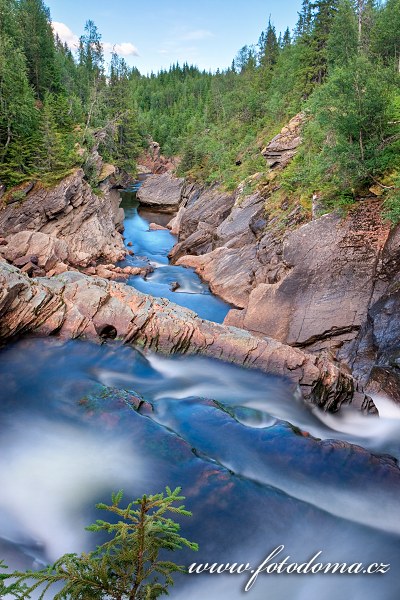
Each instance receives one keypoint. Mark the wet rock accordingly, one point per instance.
(175, 285)
(375, 354)
(75, 305)
(129, 244)
(162, 192)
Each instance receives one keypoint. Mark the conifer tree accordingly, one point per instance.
(342, 42)
(39, 48)
(128, 566)
(18, 115)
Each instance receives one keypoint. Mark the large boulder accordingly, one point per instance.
(161, 192)
(229, 272)
(76, 305)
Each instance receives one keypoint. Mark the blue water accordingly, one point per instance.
(236, 441)
(68, 439)
(153, 247)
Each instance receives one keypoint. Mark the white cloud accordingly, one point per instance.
(123, 49)
(198, 34)
(65, 34)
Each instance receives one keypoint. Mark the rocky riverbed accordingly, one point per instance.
(112, 386)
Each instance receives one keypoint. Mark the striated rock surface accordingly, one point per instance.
(161, 192)
(329, 284)
(324, 296)
(375, 354)
(283, 146)
(68, 216)
(75, 305)
(202, 211)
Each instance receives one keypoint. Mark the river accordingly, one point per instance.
(253, 461)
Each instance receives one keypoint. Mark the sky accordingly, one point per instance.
(153, 34)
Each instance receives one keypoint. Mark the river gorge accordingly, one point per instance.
(259, 466)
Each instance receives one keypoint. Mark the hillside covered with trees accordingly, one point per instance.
(340, 65)
(52, 101)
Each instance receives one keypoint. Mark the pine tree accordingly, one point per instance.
(39, 48)
(287, 39)
(269, 47)
(386, 34)
(18, 114)
(342, 43)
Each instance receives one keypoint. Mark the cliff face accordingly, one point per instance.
(327, 285)
(67, 223)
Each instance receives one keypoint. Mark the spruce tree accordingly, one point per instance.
(128, 566)
(39, 48)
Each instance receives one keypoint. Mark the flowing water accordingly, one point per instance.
(152, 247)
(232, 438)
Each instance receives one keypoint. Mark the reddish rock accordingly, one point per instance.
(157, 227)
(152, 161)
(28, 268)
(72, 214)
(76, 305)
(46, 250)
(22, 261)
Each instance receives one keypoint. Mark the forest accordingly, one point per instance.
(340, 66)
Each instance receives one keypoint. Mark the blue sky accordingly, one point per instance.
(153, 34)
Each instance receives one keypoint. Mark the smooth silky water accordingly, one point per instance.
(232, 438)
(153, 247)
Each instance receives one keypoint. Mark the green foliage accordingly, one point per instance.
(12, 590)
(38, 46)
(340, 65)
(353, 134)
(129, 565)
(392, 202)
(342, 43)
